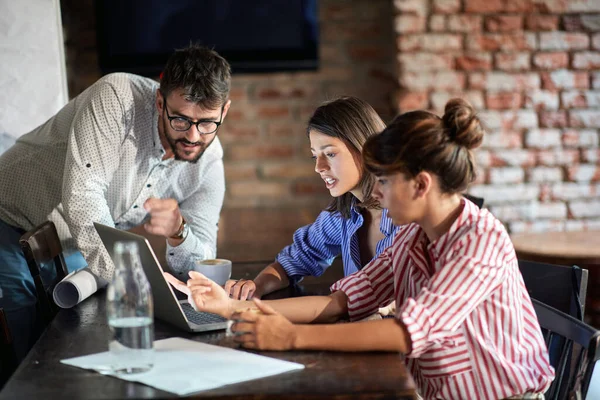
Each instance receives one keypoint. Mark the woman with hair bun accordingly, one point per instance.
(464, 319)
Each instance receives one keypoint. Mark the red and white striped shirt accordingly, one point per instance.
(474, 332)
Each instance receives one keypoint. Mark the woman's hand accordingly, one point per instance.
(241, 289)
(203, 293)
(264, 330)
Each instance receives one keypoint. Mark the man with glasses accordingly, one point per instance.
(129, 153)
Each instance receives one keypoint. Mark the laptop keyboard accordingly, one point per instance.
(200, 318)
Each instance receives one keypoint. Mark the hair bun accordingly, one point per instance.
(462, 124)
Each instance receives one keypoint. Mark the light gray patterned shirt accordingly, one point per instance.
(98, 160)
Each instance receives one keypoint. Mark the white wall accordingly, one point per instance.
(33, 83)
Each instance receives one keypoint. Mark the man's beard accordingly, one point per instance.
(173, 145)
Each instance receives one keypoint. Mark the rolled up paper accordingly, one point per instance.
(76, 287)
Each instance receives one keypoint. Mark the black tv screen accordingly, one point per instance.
(253, 35)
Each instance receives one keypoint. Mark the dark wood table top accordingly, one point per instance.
(84, 330)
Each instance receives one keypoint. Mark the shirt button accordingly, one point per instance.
(148, 185)
(135, 206)
(116, 223)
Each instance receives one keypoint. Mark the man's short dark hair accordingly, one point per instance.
(202, 73)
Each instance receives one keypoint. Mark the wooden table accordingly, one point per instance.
(83, 330)
(581, 248)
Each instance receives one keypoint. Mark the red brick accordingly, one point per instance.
(306, 187)
(230, 133)
(259, 151)
(240, 172)
(336, 11)
(488, 6)
(504, 23)
(407, 23)
(425, 62)
(272, 112)
(590, 22)
(464, 23)
(553, 119)
(238, 93)
(430, 42)
(286, 129)
(412, 101)
(512, 61)
(253, 189)
(564, 79)
(563, 41)
(586, 60)
(541, 22)
(503, 100)
(542, 100)
(446, 6)
(552, 60)
(286, 92)
(584, 118)
(502, 41)
(437, 23)
(474, 62)
(343, 31)
(288, 170)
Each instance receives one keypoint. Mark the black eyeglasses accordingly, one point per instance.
(205, 127)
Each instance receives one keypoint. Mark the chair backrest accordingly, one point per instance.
(8, 357)
(42, 249)
(580, 344)
(477, 200)
(558, 286)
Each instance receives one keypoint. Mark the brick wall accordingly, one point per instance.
(267, 154)
(533, 69)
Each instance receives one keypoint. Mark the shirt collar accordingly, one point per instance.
(158, 147)
(469, 209)
(386, 225)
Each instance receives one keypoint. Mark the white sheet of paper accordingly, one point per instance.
(183, 366)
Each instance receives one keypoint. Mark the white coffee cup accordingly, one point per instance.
(218, 270)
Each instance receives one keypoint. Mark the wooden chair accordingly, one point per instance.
(558, 286)
(581, 344)
(8, 357)
(42, 249)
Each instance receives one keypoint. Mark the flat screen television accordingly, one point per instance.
(253, 35)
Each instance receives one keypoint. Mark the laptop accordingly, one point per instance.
(167, 307)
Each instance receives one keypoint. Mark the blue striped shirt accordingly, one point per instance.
(316, 245)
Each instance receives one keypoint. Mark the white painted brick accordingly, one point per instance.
(558, 157)
(440, 98)
(448, 80)
(574, 225)
(585, 209)
(555, 210)
(506, 175)
(425, 62)
(513, 212)
(591, 155)
(580, 98)
(483, 158)
(596, 80)
(543, 138)
(502, 139)
(516, 157)
(509, 120)
(437, 23)
(581, 138)
(545, 174)
(574, 6)
(537, 226)
(418, 7)
(498, 194)
(567, 79)
(572, 190)
(499, 81)
(586, 60)
(593, 225)
(582, 172)
(585, 118)
(563, 41)
(542, 99)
